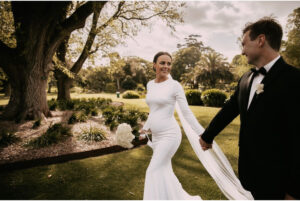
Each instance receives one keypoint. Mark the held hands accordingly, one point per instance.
(205, 146)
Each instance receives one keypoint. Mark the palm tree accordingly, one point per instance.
(212, 69)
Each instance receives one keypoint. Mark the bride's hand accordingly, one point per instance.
(142, 134)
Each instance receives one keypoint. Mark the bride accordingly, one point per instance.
(164, 95)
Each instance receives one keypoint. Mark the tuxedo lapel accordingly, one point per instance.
(244, 91)
(274, 72)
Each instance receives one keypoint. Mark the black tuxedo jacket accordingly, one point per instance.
(269, 140)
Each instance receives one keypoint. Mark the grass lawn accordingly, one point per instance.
(119, 176)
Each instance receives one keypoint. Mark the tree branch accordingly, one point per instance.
(145, 18)
(89, 42)
(75, 21)
(92, 34)
(114, 17)
(78, 18)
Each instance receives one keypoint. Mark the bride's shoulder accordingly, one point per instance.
(150, 82)
(176, 83)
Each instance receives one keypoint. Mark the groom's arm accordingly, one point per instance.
(222, 119)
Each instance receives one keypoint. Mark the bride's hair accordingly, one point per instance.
(160, 54)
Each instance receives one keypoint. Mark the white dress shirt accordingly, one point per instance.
(257, 80)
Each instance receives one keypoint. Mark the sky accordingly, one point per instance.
(219, 23)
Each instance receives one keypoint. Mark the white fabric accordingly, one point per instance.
(160, 181)
(257, 80)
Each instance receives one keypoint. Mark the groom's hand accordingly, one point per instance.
(289, 197)
(205, 146)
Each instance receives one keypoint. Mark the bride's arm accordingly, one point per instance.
(186, 111)
(146, 126)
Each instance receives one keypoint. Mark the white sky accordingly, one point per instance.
(219, 23)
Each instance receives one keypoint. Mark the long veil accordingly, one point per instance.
(216, 164)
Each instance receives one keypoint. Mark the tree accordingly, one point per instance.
(240, 65)
(139, 69)
(51, 82)
(187, 56)
(291, 47)
(212, 69)
(116, 68)
(40, 27)
(96, 78)
(118, 20)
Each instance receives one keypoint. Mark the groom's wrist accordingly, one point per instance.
(205, 137)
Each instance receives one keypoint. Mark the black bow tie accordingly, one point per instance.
(261, 70)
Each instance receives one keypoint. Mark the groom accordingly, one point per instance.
(267, 99)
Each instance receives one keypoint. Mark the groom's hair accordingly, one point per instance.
(269, 27)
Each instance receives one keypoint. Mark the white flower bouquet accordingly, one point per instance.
(124, 135)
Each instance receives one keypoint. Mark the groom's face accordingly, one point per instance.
(250, 48)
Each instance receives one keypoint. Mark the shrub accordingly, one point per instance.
(140, 87)
(7, 137)
(86, 105)
(110, 88)
(93, 134)
(52, 104)
(54, 134)
(193, 97)
(66, 104)
(131, 117)
(213, 98)
(116, 115)
(112, 116)
(94, 112)
(130, 95)
(36, 124)
(129, 83)
(78, 117)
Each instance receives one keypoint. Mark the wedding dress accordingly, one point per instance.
(161, 182)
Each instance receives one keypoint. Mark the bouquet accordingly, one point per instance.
(124, 135)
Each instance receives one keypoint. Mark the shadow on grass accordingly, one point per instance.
(118, 176)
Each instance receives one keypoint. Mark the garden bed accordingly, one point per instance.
(17, 155)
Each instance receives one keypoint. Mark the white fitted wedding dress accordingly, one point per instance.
(161, 183)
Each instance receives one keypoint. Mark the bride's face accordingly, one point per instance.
(163, 65)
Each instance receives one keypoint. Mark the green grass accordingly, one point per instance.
(119, 176)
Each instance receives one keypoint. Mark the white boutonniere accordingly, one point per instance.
(259, 89)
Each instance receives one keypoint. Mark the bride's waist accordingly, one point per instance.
(163, 124)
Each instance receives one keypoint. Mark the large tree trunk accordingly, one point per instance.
(49, 87)
(28, 96)
(64, 83)
(39, 31)
(7, 89)
(63, 86)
